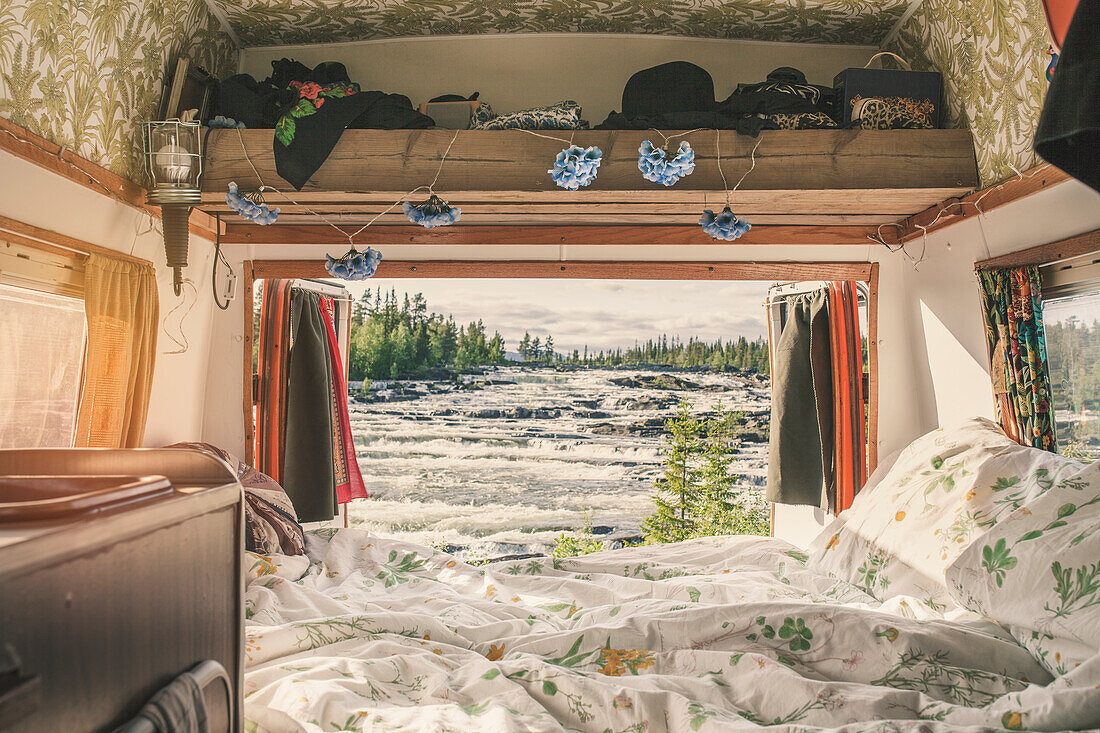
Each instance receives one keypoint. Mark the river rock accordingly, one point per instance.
(655, 381)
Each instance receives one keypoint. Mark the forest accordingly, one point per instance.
(1073, 354)
(398, 338)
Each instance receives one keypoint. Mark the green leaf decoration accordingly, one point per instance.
(549, 688)
(492, 674)
(284, 133)
(304, 108)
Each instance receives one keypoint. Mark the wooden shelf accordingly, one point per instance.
(802, 177)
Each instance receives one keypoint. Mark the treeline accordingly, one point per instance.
(1073, 351)
(665, 350)
(392, 339)
(398, 338)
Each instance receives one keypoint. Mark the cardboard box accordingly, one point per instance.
(450, 115)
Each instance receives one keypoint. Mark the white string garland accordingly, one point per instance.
(718, 156)
(878, 238)
(351, 237)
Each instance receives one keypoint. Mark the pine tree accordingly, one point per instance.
(548, 349)
(674, 518)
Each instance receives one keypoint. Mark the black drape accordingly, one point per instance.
(1069, 127)
(307, 462)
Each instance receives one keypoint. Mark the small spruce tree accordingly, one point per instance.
(674, 517)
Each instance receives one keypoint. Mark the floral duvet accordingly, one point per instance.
(716, 634)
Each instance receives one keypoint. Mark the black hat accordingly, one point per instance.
(678, 86)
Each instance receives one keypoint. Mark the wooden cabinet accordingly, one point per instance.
(107, 608)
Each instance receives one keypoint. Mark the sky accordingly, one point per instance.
(1085, 308)
(604, 314)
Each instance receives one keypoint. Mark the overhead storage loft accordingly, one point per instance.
(813, 178)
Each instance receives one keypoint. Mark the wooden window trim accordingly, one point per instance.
(1045, 254)
(867, 272)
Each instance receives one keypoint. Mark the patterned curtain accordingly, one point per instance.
(1013, 311)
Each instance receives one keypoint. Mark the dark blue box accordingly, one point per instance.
(921, 86)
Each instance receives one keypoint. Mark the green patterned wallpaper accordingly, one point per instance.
(82, 72)
(992, 54)
(290, 22)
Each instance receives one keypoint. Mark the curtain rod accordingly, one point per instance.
(47, 239)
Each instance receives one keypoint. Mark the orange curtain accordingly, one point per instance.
(122, 310)
(849, 417)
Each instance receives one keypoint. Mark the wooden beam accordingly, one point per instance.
(582, 217)
(50, 156)
(952, 210)
(670, 235)
(510, 160)
(1044, 254)
(792, 201)
(583, 270)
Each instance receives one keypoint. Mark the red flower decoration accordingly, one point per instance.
(318, 102)
(310, 90)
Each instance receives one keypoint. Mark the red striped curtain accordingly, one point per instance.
(348, 479)
(849, 413)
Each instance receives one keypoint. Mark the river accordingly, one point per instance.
(506, 461)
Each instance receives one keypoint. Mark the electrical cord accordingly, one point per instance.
(214, 268)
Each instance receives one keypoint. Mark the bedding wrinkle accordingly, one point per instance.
(714, 634)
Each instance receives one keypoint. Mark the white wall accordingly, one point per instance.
(43, 199)
(517, 71)
(949, 370)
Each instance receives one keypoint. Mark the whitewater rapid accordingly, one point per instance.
(471, 471)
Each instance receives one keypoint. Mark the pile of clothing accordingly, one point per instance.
(309, 109)
(680, 96)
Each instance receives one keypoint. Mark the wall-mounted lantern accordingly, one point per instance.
(173, 159)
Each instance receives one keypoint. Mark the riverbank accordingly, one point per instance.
(502, 460)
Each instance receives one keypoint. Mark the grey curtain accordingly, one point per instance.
(799, 465)
(307, 461)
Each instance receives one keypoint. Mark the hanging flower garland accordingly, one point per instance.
(354, 265)
(435, 212)
(726, 225)
(656, 166)
(251, 205)
(575, 167)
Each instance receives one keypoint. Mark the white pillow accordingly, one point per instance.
(1038, 572)
(945, 490)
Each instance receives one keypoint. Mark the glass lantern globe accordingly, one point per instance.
(173, 159)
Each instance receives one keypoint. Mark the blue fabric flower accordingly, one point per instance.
(251, 206)
(435, 212)
(655, 165)
(576, 167)
(726, 225)
(354, 265)
(225, 122)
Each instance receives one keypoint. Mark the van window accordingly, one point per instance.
(42, 340)
(1071, 318)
